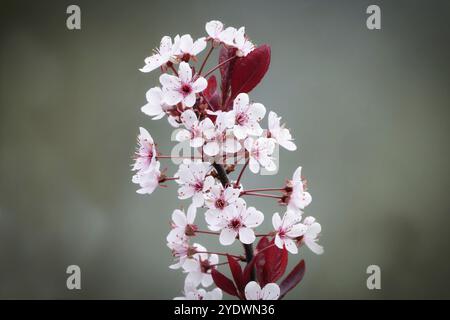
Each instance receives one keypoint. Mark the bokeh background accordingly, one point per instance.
(369, 110)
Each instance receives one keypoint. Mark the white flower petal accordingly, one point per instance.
(276, 221)
(179, 218)
(227, 236)
(246, 235)
(252, 291)
(271, 291)
(184, 72)
(199, 85)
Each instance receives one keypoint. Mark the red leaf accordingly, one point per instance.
(248, 270)
(292, 279)
(223, 282)
(211, 95)
(226, 70)
(236, 271)
(260, 259)
(276, 263)
(211, 88)
(248, 71)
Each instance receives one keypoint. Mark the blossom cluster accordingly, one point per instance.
(221, 125)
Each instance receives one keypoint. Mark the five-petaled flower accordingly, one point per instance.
(217, 33)
(188, 48)
(243, 45)
(287, 230)
(194, 129)
(239, 221)
(155, 107)
(199, 266)
(260, 151)
(182, 88)
(298, 198)
(312, 232)
(148, 180)
(194, 181)
(146, 152)
(279, 133)
(162, 56)
(219, 201)
(247, 116)
(219, 139)
(182, 225)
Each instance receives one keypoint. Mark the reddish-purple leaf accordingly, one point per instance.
(226, 70)
(276, 263)
(236, 272)
(211, 88)
(211, 95)
(292, 279)
(260, 259)
(248, 270)
(223, 282)
(248, 71)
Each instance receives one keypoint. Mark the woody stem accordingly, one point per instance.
(241, 173)
(222, 175)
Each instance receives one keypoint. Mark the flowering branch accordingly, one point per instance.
(223, 124)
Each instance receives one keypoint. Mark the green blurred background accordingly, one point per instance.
(369, 109)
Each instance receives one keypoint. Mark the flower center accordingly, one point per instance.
(220, 203)
(186, 89)
(235, 224)
(241, 118)
(205, 266)
(198, 186)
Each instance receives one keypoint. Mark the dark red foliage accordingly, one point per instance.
(211, 88)
(223, 282)
(270, 261)
(236, 272)
(292, 279)
(226, 70)
(248, 71)
(211, 94)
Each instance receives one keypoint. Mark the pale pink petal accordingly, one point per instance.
(179, 218)
(169, 81)
(271, 291)
(191, 213)
(246, 235)
(252, 291)
(211, 148)
(199, 46)
(199, 85)
(227, 236)
(184, 73)
(189, 118)
(253, 218)
(276, 221)
(190, 99)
